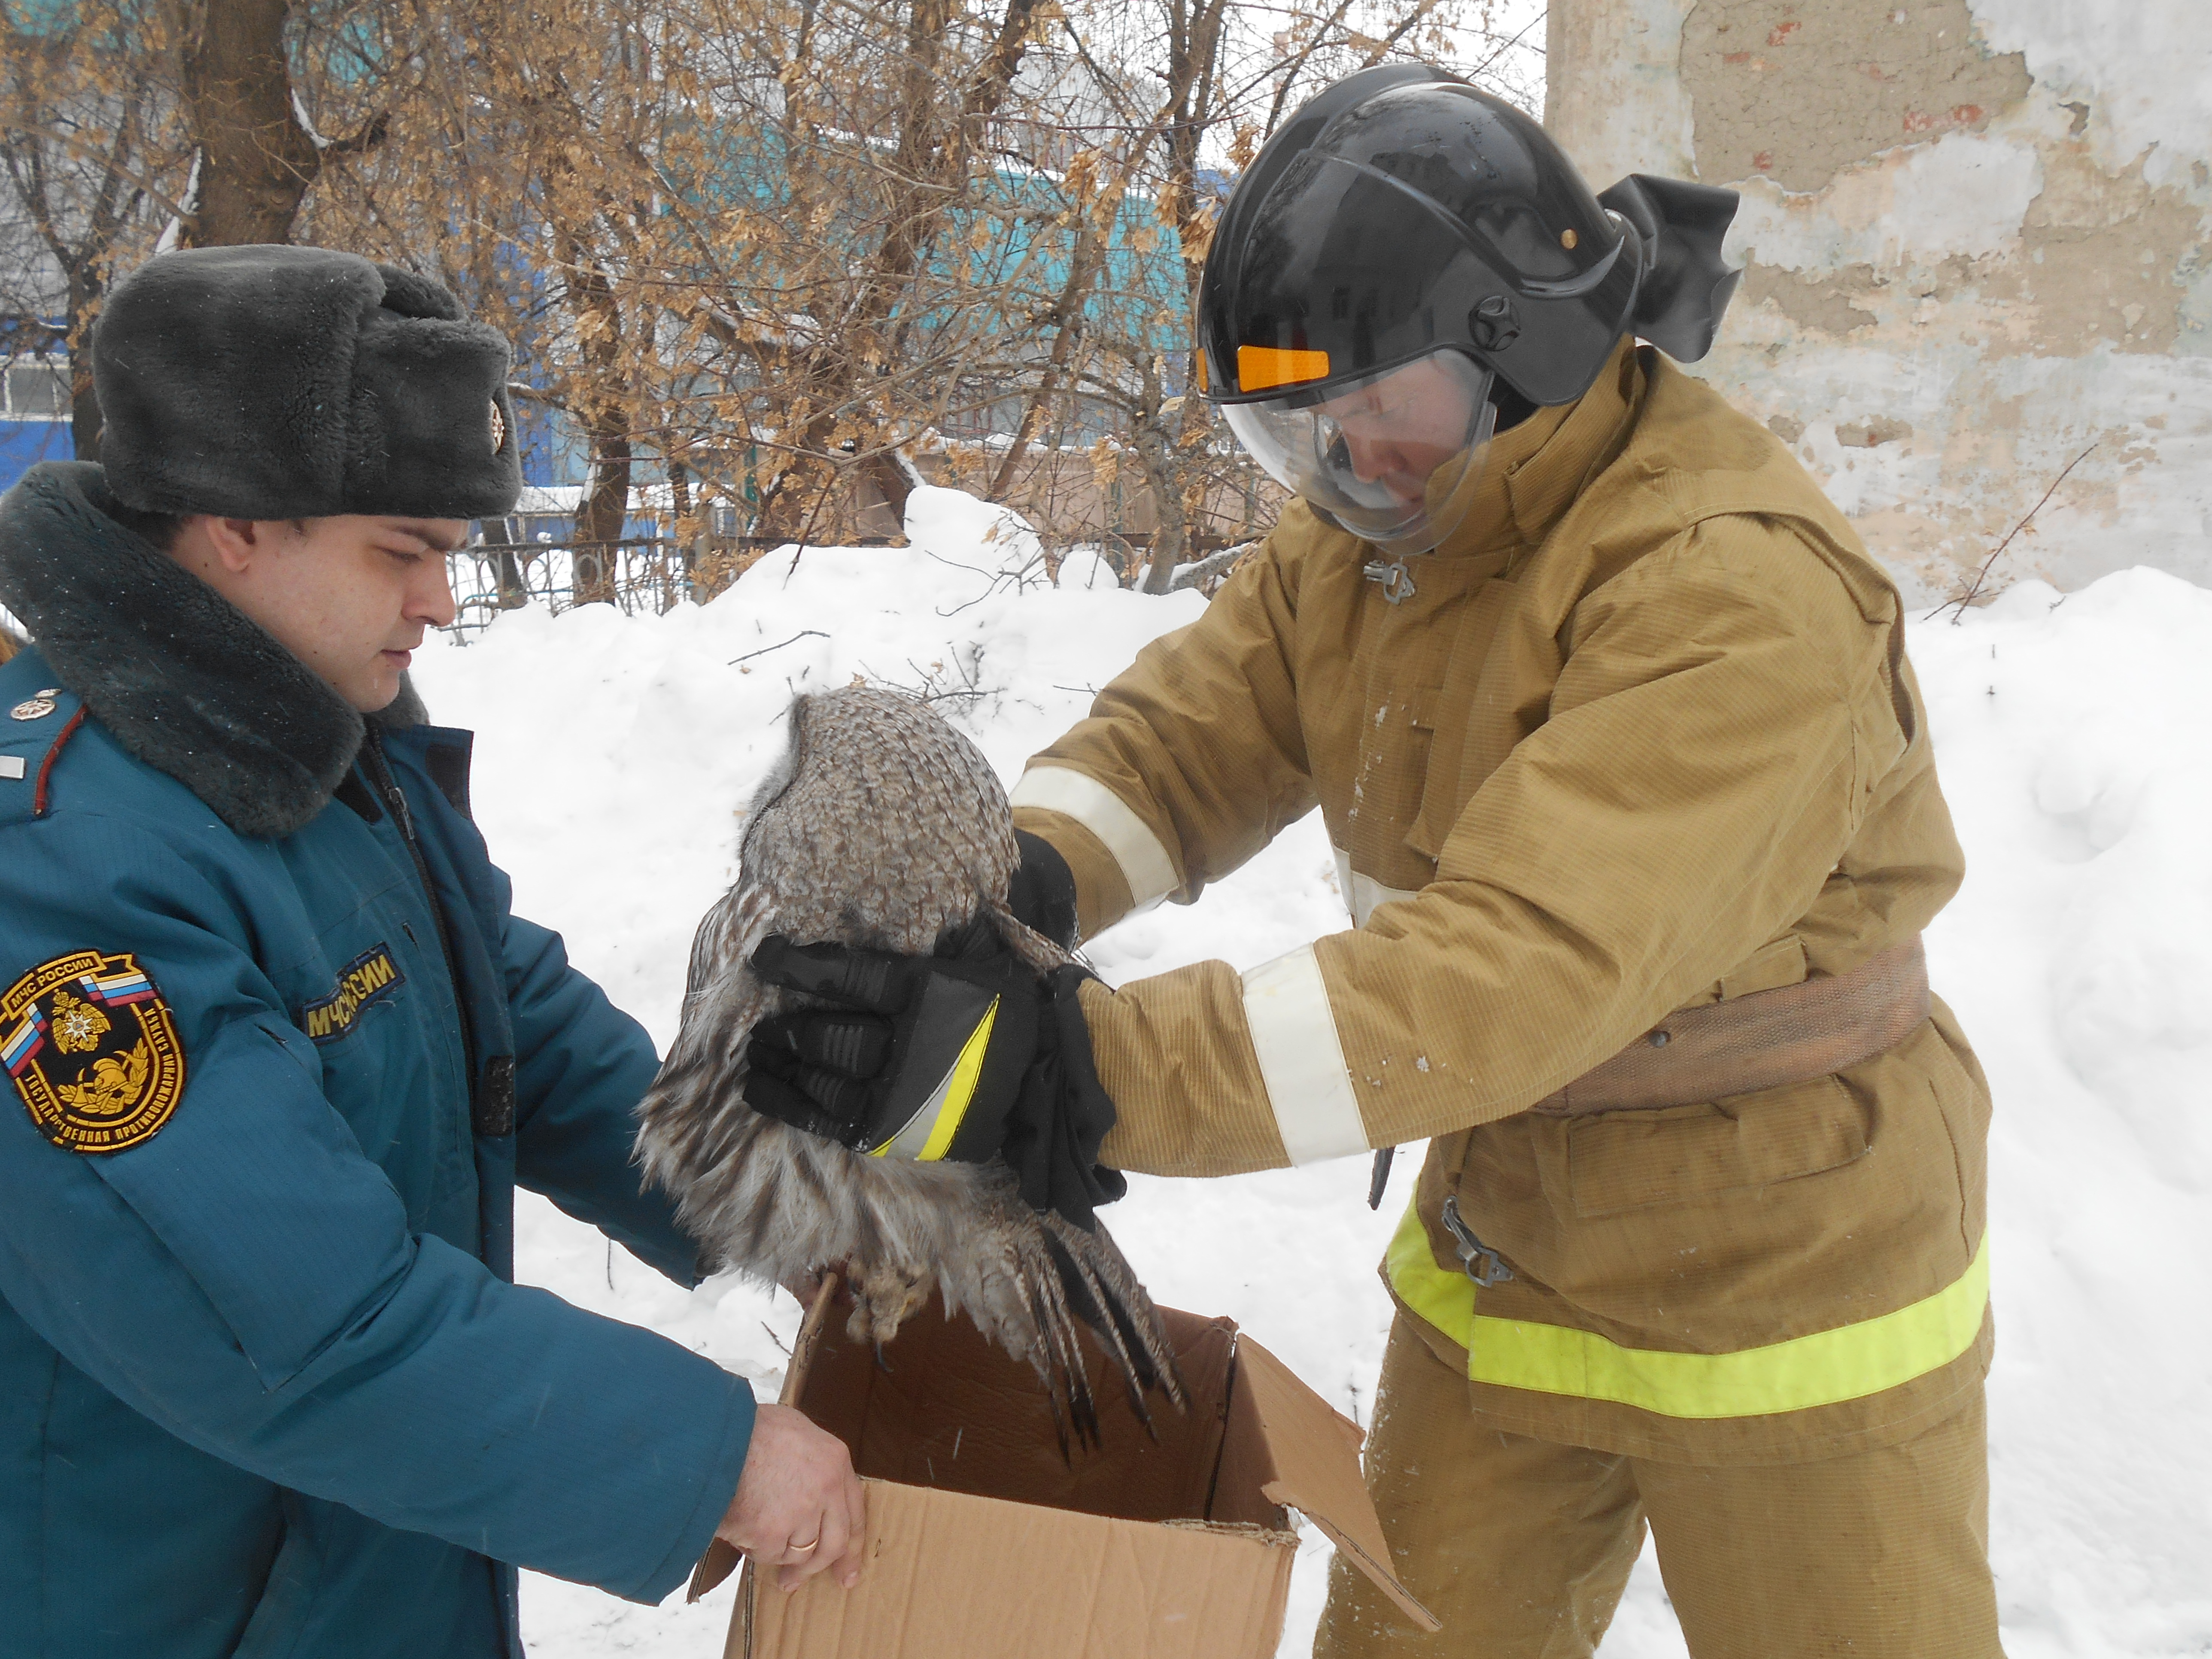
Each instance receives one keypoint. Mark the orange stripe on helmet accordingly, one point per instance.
(1259, 368)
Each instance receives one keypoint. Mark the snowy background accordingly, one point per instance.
(615, 754)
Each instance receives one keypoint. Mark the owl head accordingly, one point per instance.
(880, 824)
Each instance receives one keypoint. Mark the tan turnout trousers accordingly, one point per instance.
(1522, 1546)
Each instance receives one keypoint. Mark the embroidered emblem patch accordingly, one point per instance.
(361, 981)
(93, 1051)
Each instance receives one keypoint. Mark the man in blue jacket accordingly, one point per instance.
(279, 1051)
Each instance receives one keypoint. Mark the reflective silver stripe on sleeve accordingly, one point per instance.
(1363, 895)
(1301, 1058)
(1144, 863)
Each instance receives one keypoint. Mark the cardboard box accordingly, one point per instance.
(986, 1542)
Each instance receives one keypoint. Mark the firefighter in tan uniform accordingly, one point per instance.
(1607, 712)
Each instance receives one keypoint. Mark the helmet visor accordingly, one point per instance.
(1393, 458)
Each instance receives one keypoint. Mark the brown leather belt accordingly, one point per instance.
(1813, 1029)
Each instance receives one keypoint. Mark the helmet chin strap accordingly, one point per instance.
(1512, 408)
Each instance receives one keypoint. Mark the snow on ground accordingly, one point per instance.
(615, 754)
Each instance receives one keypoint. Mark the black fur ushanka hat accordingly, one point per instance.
(274, 382)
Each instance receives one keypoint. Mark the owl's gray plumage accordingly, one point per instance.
(881, 827)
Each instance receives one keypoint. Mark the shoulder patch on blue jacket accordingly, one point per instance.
(92, 1051)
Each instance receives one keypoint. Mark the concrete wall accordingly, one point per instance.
(1978, 239)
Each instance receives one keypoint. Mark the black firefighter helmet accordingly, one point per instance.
(1401, 218)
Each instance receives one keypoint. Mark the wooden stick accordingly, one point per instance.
(810, 1338)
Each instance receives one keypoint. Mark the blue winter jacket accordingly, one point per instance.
(265, 1386)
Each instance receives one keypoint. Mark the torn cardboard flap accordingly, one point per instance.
(1316, 1473)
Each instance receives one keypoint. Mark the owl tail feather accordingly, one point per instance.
(1054, 1349)
(1098, 1287)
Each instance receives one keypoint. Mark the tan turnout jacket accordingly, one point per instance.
(1643, 738)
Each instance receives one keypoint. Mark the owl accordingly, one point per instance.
(881, 827)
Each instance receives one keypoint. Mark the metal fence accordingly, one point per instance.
(652, 575)
(644, 576)
(489, 577)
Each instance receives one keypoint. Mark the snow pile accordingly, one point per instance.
(2073, 738)
(953, 526)
(615, 754)
(987, 539)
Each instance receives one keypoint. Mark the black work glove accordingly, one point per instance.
(1054, 1133)
(1042, 895)
(920, 1057)
(964, 1055)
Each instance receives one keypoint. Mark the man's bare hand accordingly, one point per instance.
(799, 1506)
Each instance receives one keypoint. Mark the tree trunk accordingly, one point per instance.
(86, 292)
(1171, 531)
(257, 161)
(1170, 450)
(684, 530)
(679, 497)
(600, 515)
(512, 593)
(605, 417)
(888, 473)
(933, 162)
(1093, 234)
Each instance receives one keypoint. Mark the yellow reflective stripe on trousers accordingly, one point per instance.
(1847, 1362)
(931, 1129)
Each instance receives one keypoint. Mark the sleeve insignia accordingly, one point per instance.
(93, 1051)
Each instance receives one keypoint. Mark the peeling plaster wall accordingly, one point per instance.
(1978, 239)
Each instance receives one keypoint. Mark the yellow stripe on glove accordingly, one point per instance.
(928, 1133)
